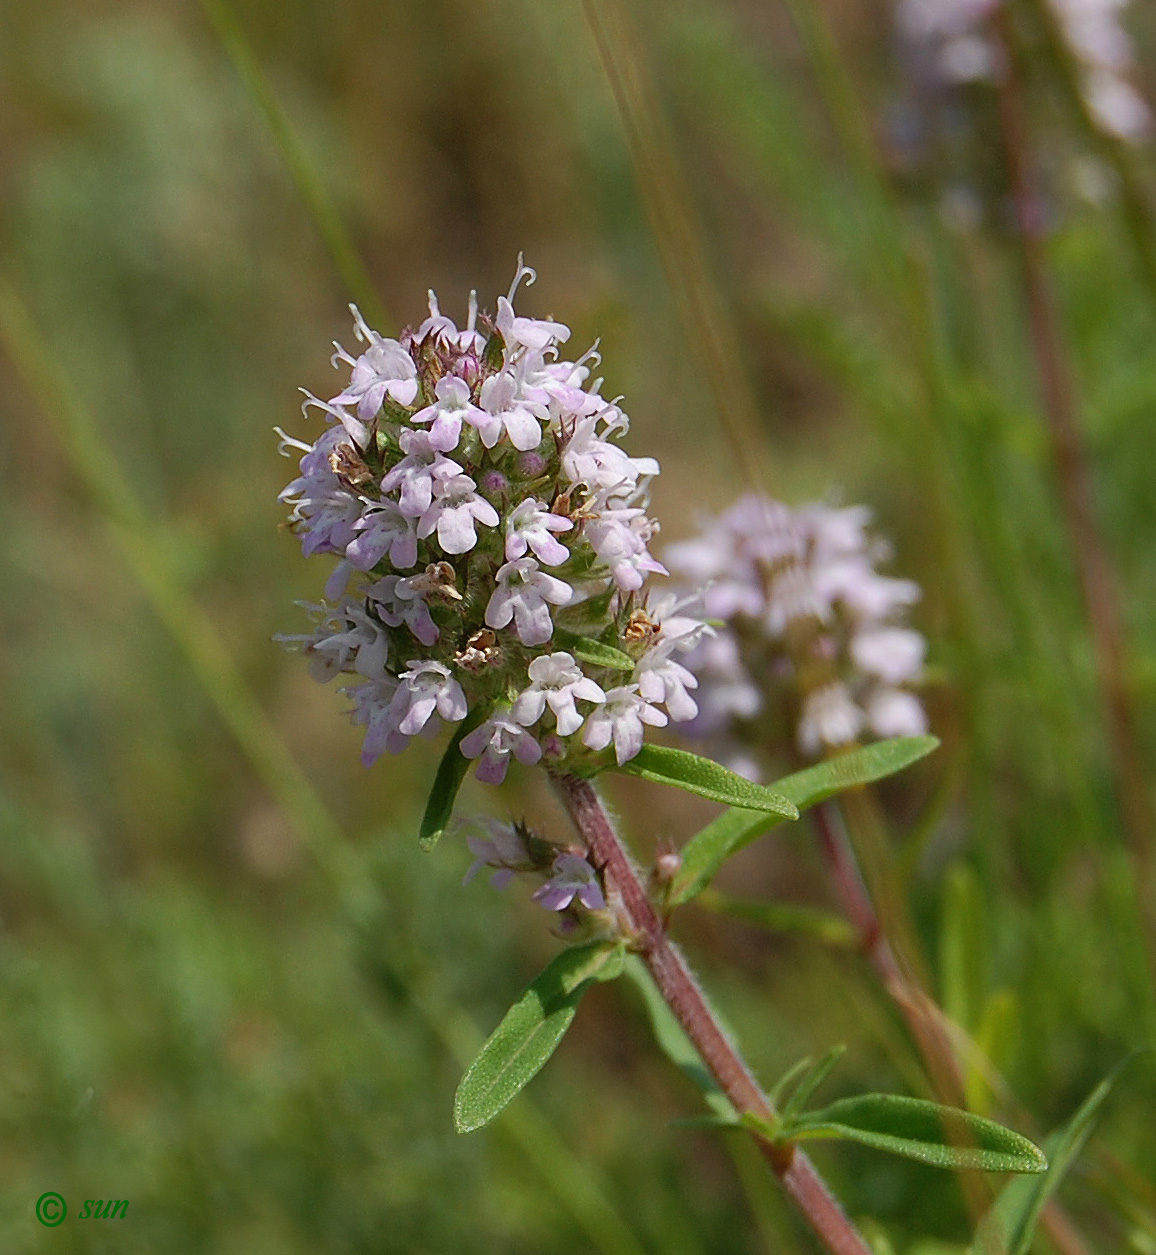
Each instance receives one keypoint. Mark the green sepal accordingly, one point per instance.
(448, 779)
(587, 649)
(1010, 1225)
(709, 848)
(530, 1032)
(705, 777)
(492, 354)
(943, 1137)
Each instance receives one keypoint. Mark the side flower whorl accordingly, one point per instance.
(811, 647)
(491, 539)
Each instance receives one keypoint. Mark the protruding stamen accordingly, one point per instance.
(524, 272)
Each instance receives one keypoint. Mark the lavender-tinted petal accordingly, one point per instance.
(591, 897)
(456, 532)
(492, 768)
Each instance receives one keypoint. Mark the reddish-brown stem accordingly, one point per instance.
(682, 994)
(923, 1017)
(1074, 482)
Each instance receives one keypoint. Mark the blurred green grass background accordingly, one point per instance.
(232, 989)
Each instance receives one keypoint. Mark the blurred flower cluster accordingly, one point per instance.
(493, 547)
(811, 646)
(952, 41)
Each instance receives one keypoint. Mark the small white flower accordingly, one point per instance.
(373, 709)
(424, 687)
(894, 654)
(494, 741)
(504, 849)
(556, 681)
(532, 333)
(529, 527)
(385, 368)
(619, 538)
(453, 406)
(829, 718)
(398, 602)
(588, 459)
(661, 679)
(383, 528)
(573, 878)
(510, 413)
(893, 712)
(417, 472)
(454, 509)
(522, 595)
(620, 720)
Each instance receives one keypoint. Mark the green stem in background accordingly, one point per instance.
(309, 182)
(707, 326)
(142, 541)
(682, 994)
(1092, 560)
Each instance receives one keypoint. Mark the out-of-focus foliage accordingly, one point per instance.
(194, 1015)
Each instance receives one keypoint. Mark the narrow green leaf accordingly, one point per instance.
(782, 917)
(1009, 1227)
(995, 1039)
(674, 1043)
(705, 777)
(709, 848)
(529, 1033)
(586, 649)
(962, 953)
(861, 766)
(447, 780)
(943, 1137)
(815, 1075)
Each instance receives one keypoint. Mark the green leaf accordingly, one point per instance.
(995, 1041)
(675, 1044)
(709, 848)
(1008, 1229)
(962, 958)
(705, 777)
(807, 1079)
(587, 649)
(783, 917)
(529, 1033)
(861, 766)
(447, 780)
(943, 1137)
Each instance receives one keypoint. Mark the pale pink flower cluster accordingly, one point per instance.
(471, 487)
(812, 631)
(954, 33)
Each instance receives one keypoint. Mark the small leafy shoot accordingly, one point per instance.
(1010, 1226)
(808, 1082)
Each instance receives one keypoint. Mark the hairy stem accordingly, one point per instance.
(685, 999)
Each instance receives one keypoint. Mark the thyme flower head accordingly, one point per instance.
(812, 641)
(953, 39)
(491, 543)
